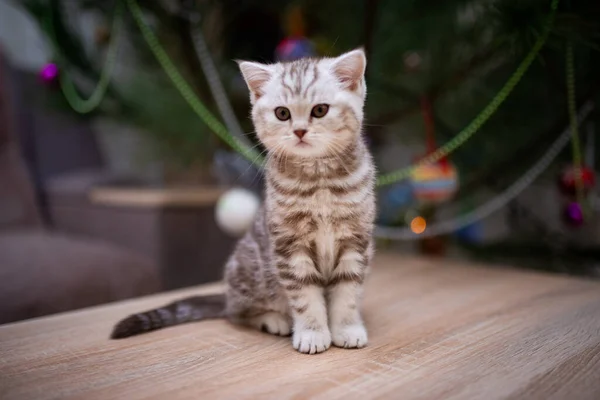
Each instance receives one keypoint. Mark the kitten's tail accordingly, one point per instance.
(179, 312)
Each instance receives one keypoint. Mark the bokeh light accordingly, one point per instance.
(418, 225)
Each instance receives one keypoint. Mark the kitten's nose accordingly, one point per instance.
(300, 133)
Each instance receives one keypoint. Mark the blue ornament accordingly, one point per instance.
(471, 233)
(401, 194)
(394, 200)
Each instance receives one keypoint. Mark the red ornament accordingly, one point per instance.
(568, 180)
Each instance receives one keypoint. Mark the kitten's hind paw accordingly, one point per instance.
(349, 336)
(311, 341)
(273, 323)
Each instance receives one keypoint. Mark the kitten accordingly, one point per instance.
(300, 268)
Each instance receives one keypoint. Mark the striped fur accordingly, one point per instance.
(301, 267)
(187, 310)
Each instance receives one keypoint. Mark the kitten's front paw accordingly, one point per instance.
(311, 341)
(349, 336)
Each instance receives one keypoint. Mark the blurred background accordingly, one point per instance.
(116, 119)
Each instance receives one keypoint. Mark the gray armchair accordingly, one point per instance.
(43, 271)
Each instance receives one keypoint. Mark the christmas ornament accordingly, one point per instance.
(394, 201)
(473, 232)
(400, 194)
(293, 48)
(49, 73)
(296, 45)
(573, 214)
(568, 180)
(576, 180)
(235, 211)
(434, 183)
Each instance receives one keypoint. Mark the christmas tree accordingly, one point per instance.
(456, 55)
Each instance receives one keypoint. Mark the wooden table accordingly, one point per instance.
(437, 331)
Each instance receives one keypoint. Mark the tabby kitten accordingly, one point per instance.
(300, 268)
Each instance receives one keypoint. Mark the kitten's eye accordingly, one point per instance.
(282, 113)
(319, 111)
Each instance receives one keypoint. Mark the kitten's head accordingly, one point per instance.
(310, 107)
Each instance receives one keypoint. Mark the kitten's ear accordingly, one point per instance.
(256, 76)
(350, 67)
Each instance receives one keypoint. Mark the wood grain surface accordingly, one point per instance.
(437, 331)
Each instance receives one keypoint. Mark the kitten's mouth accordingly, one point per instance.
(301, 143)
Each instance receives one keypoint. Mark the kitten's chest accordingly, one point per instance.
(322, 205)
(326, 246)
(330, 218)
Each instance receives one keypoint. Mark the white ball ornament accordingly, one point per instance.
(236, 210)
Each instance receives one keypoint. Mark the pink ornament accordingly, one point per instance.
(49, 73)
